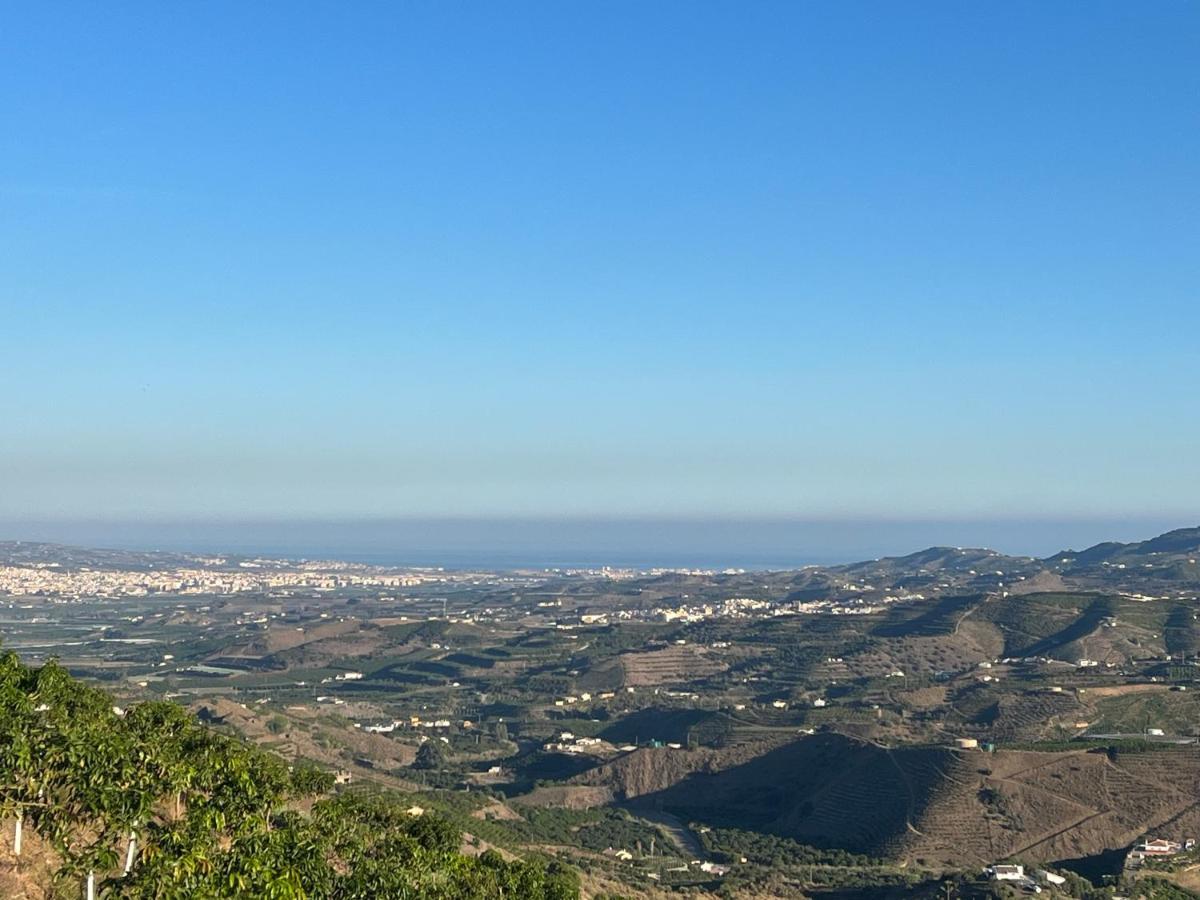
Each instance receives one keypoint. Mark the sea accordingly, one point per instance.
(495, 544)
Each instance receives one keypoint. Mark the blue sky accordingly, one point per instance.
(810, 260)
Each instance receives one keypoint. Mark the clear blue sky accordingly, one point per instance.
(611, 259)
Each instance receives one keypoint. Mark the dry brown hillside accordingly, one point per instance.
(931, 803)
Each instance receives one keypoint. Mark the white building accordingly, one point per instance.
(1002, 872)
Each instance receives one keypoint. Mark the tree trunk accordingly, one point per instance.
(130, 851)
(91, 885)
(17, 829)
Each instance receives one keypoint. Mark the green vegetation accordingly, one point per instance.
(1110, 746)
(1175, 712)
(149, 804)
(592, 829)
(731, 844)
(1155, 888)
(430, 755)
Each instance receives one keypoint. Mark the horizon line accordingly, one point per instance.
(549, 518)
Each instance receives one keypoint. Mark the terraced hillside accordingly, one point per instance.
(669, 665)
(925, 803)
(1023, 717)
(954, 634)
(1168, 560)
(1062, 625)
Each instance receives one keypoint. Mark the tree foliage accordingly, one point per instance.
(209, 816)
(430, 755)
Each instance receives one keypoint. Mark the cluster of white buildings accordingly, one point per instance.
(586, 697)
(731, 608)
(1157, 848)
(855, 606)
(415, 722)
(344, 676)
(569, 743)
(53, 580)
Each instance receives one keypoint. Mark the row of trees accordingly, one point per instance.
(147, 803)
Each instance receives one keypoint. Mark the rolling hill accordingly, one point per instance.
(932, 803)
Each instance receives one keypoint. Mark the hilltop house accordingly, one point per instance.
(1157, 848)
(1004, 872)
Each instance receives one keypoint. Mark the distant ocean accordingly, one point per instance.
(495, 544)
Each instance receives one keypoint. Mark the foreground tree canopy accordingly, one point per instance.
(147, 803)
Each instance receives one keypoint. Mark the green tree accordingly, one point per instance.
(430, 755)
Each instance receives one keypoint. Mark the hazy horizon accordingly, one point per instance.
(556, 543)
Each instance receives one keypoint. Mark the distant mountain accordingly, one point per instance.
(31, 553)
(1179, 541)
(1172, 557)
(1090, 556)
(939, 559)
(1168, 561)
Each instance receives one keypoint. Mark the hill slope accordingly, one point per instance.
(931, 803)
(144, 802)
